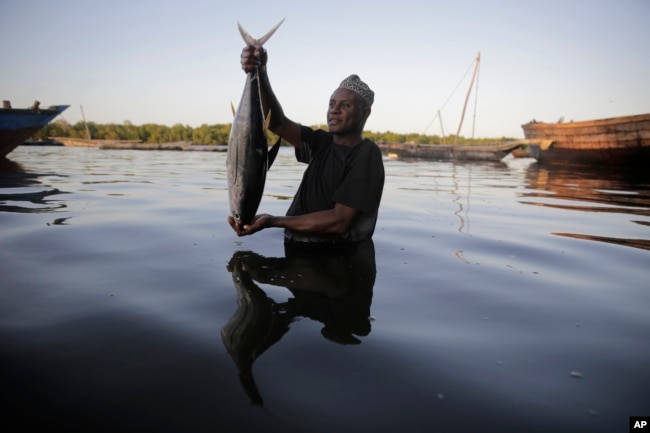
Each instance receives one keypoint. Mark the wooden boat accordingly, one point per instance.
(176, 145)
(90, 142)
(453, 152)
(614, 141)
(18, 124)
(522, 152)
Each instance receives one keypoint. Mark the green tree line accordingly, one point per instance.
(215, 134)
(147, 133)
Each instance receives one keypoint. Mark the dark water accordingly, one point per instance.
(496, 297)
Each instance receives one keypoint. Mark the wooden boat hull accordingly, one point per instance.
(83, 142)
(441, 152)
(522, 152)
(17, 125)
(614, 141)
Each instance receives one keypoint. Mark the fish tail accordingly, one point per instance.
(257, 42)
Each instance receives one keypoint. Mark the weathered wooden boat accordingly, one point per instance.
(91, 142)
(444, 152)
(88, 141)
(453, 152)
(522, 152)
(18, 124)
(614, 141)
(176, 145)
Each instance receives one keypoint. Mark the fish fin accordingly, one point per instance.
(232, 107)
(257, 42)
(274, 150)
(267, 121)
(273, 153)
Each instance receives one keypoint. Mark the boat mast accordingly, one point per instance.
(442, 137)
(469, 91)
(83, 116)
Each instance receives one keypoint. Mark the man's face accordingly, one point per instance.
(345, 114)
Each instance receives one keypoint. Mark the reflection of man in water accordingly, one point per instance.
(332, 285)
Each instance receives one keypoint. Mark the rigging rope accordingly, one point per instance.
(473, 64)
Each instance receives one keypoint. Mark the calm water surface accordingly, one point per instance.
(501, 297)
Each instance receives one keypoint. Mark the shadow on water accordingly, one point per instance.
(14, 175)
(333, 286)
(592, 189)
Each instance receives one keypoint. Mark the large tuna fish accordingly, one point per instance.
(249, 157)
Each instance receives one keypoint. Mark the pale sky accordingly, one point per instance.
(168, 62)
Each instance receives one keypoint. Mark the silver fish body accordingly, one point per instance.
(249, 157)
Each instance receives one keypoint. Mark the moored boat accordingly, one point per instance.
(454, 152)
(90, 142)
(522, 152)
(621, 140)
(18, 124)
(442, 152)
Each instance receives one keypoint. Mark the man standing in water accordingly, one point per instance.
(339, 195)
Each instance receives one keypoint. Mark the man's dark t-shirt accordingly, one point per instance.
(353, 176)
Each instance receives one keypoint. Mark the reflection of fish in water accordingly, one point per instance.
(256, 325)
(333, 287)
